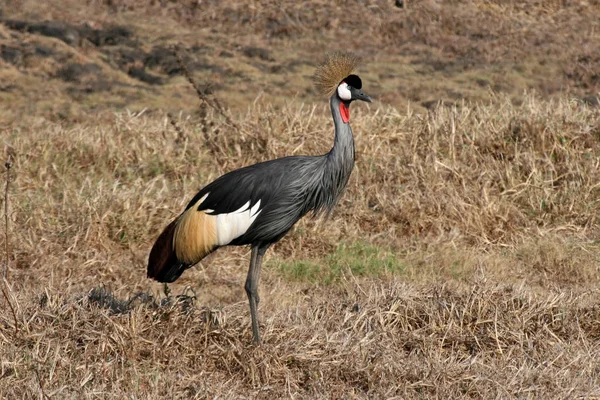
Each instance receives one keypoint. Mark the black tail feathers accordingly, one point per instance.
(163, 264)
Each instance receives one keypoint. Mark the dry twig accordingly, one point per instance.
(10, 154)
(180, 134)
(214, 103)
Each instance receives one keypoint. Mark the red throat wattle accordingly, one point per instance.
(345, 113)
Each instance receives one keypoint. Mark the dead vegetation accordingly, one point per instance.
(462, 262)
(488, 214)
(107, 54)
(363, 340)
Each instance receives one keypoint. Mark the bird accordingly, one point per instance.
(257, 205)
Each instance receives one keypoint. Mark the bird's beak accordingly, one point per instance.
(360, 95)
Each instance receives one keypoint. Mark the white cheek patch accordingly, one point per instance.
(344, 92)
(233, 225)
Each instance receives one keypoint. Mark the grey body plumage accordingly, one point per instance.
(257, 205)
(288, 187)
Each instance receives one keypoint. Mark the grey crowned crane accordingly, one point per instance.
(258, 204)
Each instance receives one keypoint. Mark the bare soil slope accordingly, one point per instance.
(67, 58)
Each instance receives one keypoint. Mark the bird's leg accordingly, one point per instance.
(259, 257)
(252, 287)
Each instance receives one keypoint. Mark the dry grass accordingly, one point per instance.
(485, 217)
(462, 261)
(362, 340)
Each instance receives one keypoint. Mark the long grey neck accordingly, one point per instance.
(343, 145)
(338, 162)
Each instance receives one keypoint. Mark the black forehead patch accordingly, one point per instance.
(354, 81)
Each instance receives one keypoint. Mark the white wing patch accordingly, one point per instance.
(234, 224)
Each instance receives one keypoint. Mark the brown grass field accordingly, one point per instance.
(463, 260)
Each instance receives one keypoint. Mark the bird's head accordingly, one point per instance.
(335, 76)
(350, 89)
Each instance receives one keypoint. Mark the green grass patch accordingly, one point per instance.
(357, 258)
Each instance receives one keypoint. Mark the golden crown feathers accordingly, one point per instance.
(333, 70)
